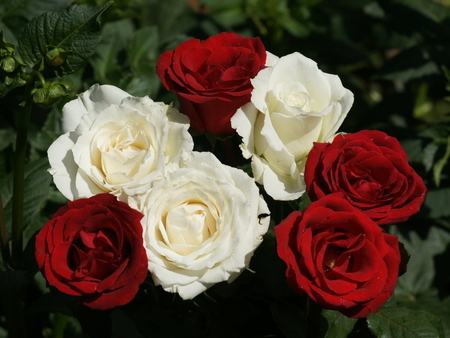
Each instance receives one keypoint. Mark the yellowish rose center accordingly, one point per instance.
(296, 96)
(126, 154)
(189, 225)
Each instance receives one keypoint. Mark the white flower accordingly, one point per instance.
(293, 104)
(116, 143)
(201, 225)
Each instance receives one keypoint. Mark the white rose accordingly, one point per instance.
(116, 143)
(293, 104)
(201, 224)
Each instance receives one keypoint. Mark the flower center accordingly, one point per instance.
(332, 253)
(124, 152)
(95, 254)
(189, 225)
(296, 96)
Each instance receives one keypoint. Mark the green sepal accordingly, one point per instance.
(47, 94)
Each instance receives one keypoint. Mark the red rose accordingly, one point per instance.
(339, 257)
(371, 169)
(212, 77)
(93, 247)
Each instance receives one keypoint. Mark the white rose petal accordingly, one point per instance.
(293, 105)
(116, 143)
(202, 224)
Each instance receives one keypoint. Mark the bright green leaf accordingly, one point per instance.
(75, 29)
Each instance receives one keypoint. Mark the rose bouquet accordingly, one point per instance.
(242, 199)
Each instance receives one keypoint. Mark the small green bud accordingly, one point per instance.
(55, 57)
(50, 93)
(8, 64)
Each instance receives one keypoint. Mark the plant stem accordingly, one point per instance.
(6, 256)
(18, 181)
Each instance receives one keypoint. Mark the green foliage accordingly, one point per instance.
(74, 30)
(436, 202)
(15, 13)
(403, 322)
(36, 192)
(339, 326)
(136, 73)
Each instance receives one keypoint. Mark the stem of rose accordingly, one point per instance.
(18, 180)
(13, 300)
(6, 257)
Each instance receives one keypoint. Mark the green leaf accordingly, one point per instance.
(9, 33)
(413, 148)
(290, 319)
(430, 302)
(75, 30)
(304, 202)
(431, 9)
(143, 55)
(428, 155)
(339, 326)
(36, 224)
(36, 191)
(115, 37)
(144, 47)
(10, 84)
(405, 256)
(50, 131)
(14, 12)
(7, 137)
(439, 165)
(230, 17)
(31, 8)
(437, 202)
(401, 322)
(420, 270)
(174, 19)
